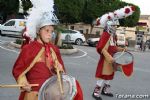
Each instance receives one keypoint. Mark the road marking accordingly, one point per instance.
(3, 41)
(85, 53)
(95, 60)
(71, 63)
(9, 50)
(142, 70)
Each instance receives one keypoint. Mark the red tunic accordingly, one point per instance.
(40, 72)
(111, 50)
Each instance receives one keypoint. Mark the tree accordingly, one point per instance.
(96, 8)
(132, 20)
(26, 4)
(70, 11)
(9, 7)
(73, 11)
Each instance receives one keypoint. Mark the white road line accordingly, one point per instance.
(142, 70)
(71, 63)
(85, 53)
(9, 50)
(95, 60)
(4, 41)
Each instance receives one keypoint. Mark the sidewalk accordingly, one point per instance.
(137, 50)
(62, 51)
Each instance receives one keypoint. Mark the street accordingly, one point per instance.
(82, 65)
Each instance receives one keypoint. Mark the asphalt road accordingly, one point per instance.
(82, 65)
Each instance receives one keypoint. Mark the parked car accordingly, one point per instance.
(121, 41)
(72, 36)
(92, 41)
(13, 27)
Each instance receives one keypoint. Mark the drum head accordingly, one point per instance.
(123, 58)
(50, 90)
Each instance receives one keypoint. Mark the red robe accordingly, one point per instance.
(40, 72)
(111, 50)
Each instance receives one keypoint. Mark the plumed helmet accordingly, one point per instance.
(113, 17)
(41, 14)
(48, 18)
(112, 22)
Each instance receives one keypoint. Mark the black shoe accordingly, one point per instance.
(96, 93)
(106, 91)
(96, 97)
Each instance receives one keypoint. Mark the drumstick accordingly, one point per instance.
(57, 70)
(60, 82)
(15, 85)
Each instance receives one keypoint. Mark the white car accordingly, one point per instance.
(92, 41)
(72, 36)
(13, 27)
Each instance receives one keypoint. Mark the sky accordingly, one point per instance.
(143, 4)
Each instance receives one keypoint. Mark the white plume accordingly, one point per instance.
(117, 14)
(36, 14)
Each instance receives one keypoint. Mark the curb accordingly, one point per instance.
(68, 51)
(62, 51)
(15, 45)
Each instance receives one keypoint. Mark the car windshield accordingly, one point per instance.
(10, 23)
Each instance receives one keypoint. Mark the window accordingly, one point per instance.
(10, 23)
(22, 23)
(72, 27)
(81, 31)
(72, 31)
(68, 31)
(87, 31)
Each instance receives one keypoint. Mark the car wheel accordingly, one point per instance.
(78, 42)
(2, 34)
(95, 44)
(67, 38)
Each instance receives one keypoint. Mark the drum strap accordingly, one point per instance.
(33, 62)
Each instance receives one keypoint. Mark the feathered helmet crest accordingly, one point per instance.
(112, 17)
(41, 14)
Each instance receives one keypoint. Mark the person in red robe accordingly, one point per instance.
(106, 48)
(27, 70)
(40, 71)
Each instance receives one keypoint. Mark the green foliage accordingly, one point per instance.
(66, 46)
(96, 8)
(132, 20)
(26, 4)
(9, 6)
(69, 10)
(19, 41)
(59, 28)
(73, 11)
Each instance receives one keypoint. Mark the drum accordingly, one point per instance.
(50, 89)
(123, 62)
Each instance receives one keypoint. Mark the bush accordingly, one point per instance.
(66, 46)
(19, 41)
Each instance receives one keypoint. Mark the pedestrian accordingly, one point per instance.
(35, 63)
(141, 45)
(106, 47)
